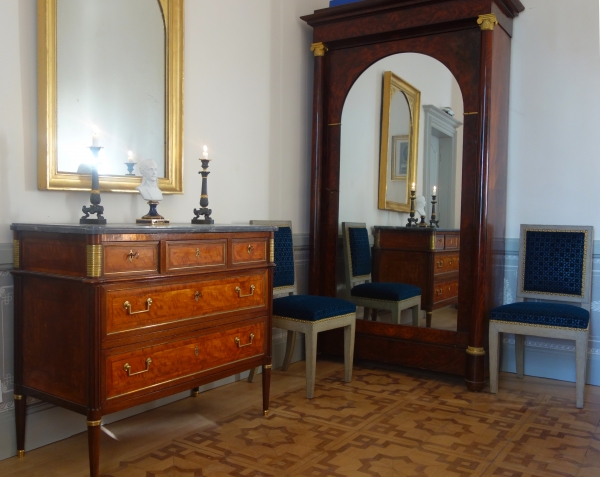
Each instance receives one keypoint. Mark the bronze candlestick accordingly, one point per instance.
(203, 210)
(95, 199)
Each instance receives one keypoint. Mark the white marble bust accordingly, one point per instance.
(420, 206)
(149, 186)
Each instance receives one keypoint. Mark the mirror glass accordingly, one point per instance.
(111, 82)
(401, 104)
(438, 161)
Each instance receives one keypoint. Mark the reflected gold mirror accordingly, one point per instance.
(399, 141)
(110, 74)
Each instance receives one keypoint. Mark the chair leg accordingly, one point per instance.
(367, 315)
(415, 315)
(348, 351)
(581, 345)
(374, 314)
(289, 349)
(251, 375)
(310, 347)
(520, 355)
(494, 358)
(396, 314)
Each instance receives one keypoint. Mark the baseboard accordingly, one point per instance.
(552, 359)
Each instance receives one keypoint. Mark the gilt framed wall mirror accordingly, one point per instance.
(110, 74)
(401, 105)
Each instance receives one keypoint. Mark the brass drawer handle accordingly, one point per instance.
(197, 295)
(237, 341)
(197, 253)
(440, 264)
(196, 351)
(439, 291)
(239, 291)
(132, 255)
(250, 248)
(127, 306)
(127, 368)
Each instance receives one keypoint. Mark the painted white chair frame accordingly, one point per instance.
(520, 330)
(395, 307)
(310, 330)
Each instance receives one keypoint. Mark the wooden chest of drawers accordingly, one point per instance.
(108, 317)
(427, 258)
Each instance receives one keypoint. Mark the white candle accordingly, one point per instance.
(413, 187)
(205, 153)
(96, 139)
(434, 190)
(130, 156)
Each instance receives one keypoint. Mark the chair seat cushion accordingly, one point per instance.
(546, 314)
(385, 291)
(311, 308)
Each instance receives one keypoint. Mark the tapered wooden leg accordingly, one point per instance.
(20, 421)
(415, 314)
(428, 315)
(494, 358)
(266, 384)
(289, 350)
(367, 315)
(374, 314)
(396, 313)
(310, 348)
(195, 391)
(581, 344)
(520, 355)
(94, 447)
(251, 374)
(348, 351)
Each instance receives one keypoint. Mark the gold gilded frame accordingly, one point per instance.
(393, 84)
(48, 176)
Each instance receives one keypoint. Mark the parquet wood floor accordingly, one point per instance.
(387, 422)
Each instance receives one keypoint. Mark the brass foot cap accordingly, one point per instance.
(195, 393)
(21, 454)
(266, 413)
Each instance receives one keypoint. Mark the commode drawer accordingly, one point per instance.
(445, 263)
(149, 368)
(445, 291)
(196, 254)
(248, 251)
(130, 307)
(130, 258)
(452, 242)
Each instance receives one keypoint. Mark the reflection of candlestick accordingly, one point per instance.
(434, 190)
(412, 222)
(413, 187)
(96, 139)
(433, 223)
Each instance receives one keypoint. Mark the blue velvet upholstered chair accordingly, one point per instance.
(555, 270)
(394, 297)
(304, 313)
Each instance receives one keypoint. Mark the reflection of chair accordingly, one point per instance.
(555, 264)
(394, 297)
(303, 313)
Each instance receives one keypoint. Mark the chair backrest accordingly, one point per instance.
(284, 277)
(357, 253)
(555, 263)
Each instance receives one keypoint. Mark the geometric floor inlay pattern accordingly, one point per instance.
(387, 423)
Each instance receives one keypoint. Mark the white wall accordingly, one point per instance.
(553, 170)
(248, 83)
